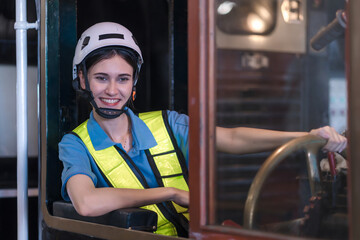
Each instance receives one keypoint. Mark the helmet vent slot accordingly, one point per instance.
(111, 35)
(85, 42)
(135, 40)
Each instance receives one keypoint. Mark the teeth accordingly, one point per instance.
(110, 100)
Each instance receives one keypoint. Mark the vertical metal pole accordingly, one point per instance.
(21, 27)
(40, 216)
(21, 118)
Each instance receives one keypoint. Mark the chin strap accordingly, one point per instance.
(107, 113)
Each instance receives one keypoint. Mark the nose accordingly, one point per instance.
(111, 88)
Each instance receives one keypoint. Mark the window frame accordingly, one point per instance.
(201, 84)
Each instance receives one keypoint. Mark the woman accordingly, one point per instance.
(144, 158)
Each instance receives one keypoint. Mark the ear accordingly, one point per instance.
(82, 80)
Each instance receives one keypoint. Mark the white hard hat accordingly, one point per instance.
(104, 34)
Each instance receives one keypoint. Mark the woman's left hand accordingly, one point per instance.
(335, 141)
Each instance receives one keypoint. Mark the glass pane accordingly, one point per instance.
(260, 86)
(246, 17)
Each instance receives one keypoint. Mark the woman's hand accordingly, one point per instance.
(180, 197)
(335, 141)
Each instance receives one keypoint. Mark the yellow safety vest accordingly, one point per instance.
(166, 161)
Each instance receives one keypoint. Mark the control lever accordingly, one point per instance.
(329, 33)
(332, 165)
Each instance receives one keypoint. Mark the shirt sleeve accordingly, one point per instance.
(76, 160)
(179, 124)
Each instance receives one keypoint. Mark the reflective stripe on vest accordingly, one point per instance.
(120, 175)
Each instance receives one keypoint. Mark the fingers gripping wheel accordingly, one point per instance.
(311, 144)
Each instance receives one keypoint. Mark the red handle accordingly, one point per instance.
(332, 163)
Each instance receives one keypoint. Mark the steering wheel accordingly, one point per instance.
(311, 144)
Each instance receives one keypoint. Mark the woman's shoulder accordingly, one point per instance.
(175, 117)
(70, 139)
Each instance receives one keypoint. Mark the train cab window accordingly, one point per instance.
(276, 87)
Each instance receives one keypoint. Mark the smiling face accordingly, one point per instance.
(111, 82)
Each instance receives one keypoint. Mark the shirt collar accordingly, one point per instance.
(142, 136)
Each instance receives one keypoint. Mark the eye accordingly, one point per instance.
(100, 78)
(123, 78)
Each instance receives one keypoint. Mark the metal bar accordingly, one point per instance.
(21, 118)
(12, 192)
(40, 218)
(311, 144)
(21, 27)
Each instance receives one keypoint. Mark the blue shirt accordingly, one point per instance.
(77, 159)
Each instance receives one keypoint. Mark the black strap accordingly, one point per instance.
(136, 170)
(177, 149)
(169, 212)
(154, 168)
(164, 153)
(180, 222)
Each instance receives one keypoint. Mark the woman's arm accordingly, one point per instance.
(243, 140)
(91, 201)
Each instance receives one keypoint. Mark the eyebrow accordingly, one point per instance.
(122, 74)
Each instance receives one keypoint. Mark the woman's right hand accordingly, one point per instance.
(180, 197)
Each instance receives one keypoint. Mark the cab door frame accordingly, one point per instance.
(353, 79)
